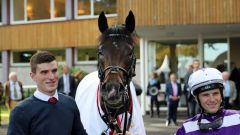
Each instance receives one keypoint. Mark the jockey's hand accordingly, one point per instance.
(127, 133)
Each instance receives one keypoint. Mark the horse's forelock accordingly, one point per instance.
(118, 33)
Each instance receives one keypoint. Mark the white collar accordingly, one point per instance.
(38, 94)
(66, 75)
(12, 82)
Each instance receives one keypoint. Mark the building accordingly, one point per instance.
(186, 29)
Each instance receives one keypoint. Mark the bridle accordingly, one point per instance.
(109, 118)
(114, 68)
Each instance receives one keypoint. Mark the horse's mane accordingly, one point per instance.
(118, 33)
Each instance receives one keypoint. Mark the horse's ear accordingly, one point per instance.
(102, 22)
(130, 22)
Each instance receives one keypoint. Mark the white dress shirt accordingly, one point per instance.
(38, 94)
(86, 99)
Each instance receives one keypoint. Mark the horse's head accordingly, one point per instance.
(116, 63)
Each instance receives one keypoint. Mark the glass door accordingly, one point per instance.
(216, 53)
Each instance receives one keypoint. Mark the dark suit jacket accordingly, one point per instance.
(60, 87)
(169, 91)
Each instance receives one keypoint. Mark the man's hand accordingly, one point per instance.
(174, 98)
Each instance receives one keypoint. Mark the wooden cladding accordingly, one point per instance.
(180, 12)
(77, 33)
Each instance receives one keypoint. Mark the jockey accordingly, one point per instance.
(206, 86)
(86, 99)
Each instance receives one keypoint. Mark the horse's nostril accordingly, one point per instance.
(113, 90)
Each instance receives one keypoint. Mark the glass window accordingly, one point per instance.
(38, 9)
(186, 53)
(108, 6)
(95, 7)
(32, 10)
(22, 56)
(59, 8)
(18, 10)
(215, 53)
(86, 54)
(84, 7)
(137, 51)
(161, 51)
(90, 53)
(58, 53)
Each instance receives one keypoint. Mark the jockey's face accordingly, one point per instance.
(46, 77)
(210, 100)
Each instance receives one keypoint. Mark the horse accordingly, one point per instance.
(115, 96)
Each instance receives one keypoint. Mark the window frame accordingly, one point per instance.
(25, 21)
(91, 15)
(82, 61)
(27, 63)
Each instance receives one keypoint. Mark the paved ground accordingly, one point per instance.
(3, 129)
(154, 126)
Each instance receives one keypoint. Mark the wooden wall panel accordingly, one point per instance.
(75, 33)
(180, 12)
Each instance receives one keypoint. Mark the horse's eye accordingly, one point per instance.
(100, 53)
(130, 55)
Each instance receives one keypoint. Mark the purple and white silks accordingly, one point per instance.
(230, 126)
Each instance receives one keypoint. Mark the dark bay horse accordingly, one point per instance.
(106, 98)
(116, 67)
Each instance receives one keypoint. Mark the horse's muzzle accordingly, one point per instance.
(114, 95)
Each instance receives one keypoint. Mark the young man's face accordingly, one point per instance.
(210, 100)
(46, 77)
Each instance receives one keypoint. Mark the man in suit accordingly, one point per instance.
(192, 105)
(66, 84)
(173, 93)
(230, 91)
(47, 112)
(13, 91)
